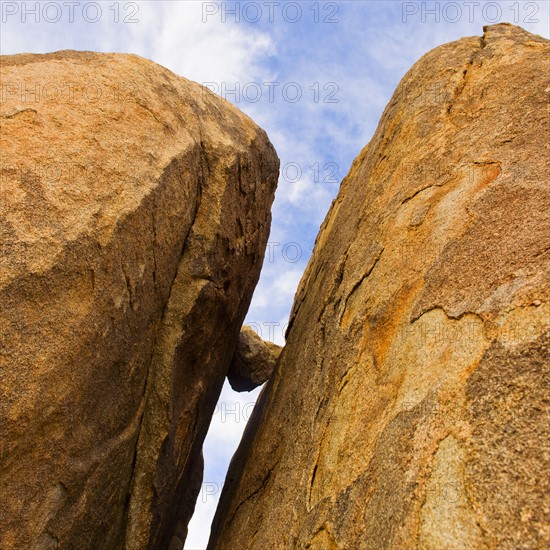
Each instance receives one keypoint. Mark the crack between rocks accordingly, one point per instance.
(343, 383)
(322, 439)
(252, 539)
(324, 528)
(411, 197)
(14, 114)
(483, 39)
(145, 107)
(314, 473)
(448, 315)
(466, 73)
(360, 282)
(542, 252)
(147, 384)
(149, 374)
(264, 482)
(154, 229)
(190, 446)
(334, 287)
(131, 296)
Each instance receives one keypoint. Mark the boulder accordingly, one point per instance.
(135, 213)
(253, 362)
(409, 407)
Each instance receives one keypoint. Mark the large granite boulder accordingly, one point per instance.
(135, 213)
(409, 407)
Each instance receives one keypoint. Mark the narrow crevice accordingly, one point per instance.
(415, 318)
(129, 289)
(311, 483)
(316, 465)
(411, 197)
(150, 373)
(154, 232)
(483, 39)
(466, 75)
(18, 112)
(334, 287)
(264, 482)
(360, 282)
(133, 469)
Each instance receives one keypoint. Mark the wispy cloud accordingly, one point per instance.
(174, 34)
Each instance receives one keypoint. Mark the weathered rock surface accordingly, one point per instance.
(253, 362)
(135, 213)
(409, 407)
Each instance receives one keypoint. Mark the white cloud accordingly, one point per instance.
(281, 280)
(173, 34)
(210, 51)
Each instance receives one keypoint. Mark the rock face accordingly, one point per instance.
(409, 407)
(135, 213)
(253, 362)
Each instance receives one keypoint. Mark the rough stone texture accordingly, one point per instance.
(409, 407)
(253, 362)
(135, 213)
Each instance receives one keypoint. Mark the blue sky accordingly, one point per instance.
(315, 75)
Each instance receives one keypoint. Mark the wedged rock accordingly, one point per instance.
(409, 407)
(135, 213)
(253, 362)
